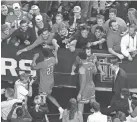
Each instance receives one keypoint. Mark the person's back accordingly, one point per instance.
(97, 117)
(6, 106)
(77, 117)
(21, 112)
(89, 88)
(46, 72)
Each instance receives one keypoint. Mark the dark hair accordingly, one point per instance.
(125, 92)
(84, 27)
(100, 17)
(60, 15)
(110, 22)
(19, 111)
(82, 55)
(115, 61)
(99, 28)
(72, 107)
(23, 21)
(95, 106)
(121, 116)
(10, 92)
(45, 53)
(45, 29)
(86, 48)
(113, 10)
(132, 26)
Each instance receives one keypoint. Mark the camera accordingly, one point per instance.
(19, 104)
(34, 78)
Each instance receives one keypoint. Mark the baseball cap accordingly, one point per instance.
(16, 6)
(34, 7)
(77, 9)
(39, 18)
(3, 7)
(24, 76)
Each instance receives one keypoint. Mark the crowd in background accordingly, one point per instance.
(98, 25)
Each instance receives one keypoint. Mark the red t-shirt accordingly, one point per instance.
(114, 40)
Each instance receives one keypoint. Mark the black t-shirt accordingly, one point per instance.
(81, 41)
(60, 39)
(40, 115)
(22, 36)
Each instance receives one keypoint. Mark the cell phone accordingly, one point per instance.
(34, 78)
(19, 104)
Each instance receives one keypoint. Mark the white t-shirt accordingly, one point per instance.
(131, 119)
(21, 91)
(6, 107)
(97, 117)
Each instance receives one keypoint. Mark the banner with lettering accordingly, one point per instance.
(12, 66)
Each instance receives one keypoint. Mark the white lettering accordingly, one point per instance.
(11, 67)
(22, 66)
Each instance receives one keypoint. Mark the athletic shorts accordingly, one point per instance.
(46, 87)
(88, 92)
(90, 100)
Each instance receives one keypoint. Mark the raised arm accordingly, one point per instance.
(11, 112)
(27, 116)
(56, 57)
(35, 66)
(35, 44)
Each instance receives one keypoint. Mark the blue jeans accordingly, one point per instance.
(86, 9)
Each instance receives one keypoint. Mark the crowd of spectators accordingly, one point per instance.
(98, 25)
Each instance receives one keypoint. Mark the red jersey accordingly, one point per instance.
(87, 70)
(46, 74)
(90, 69)
(91, 58)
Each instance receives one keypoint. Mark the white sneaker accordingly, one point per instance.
(109, 106)
(61, 110)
